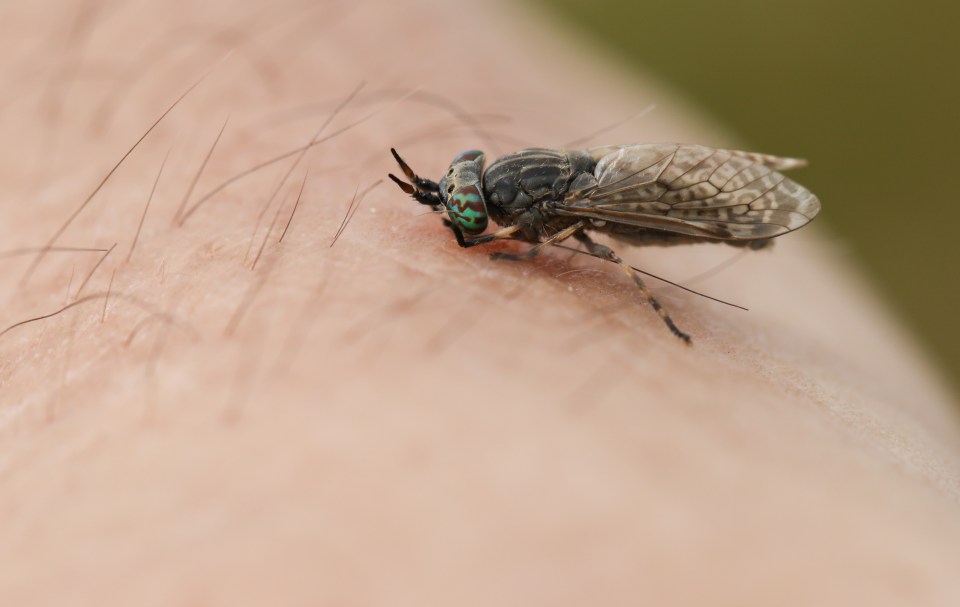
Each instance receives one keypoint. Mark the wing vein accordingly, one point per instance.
(681, 175)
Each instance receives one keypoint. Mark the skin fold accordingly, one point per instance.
(222, 417)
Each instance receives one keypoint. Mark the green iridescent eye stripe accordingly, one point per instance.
(467, 210)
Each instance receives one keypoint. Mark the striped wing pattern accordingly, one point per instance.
(693, 190)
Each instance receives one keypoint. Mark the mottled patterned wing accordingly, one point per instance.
(692, 190)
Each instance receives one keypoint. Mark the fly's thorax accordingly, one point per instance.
(462, 193)
(515, 182)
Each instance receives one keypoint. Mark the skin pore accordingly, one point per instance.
(219, 416)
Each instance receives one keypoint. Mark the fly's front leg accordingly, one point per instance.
(473, 241)
(535, 250)
(604, 252)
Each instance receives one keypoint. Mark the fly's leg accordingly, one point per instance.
(604, 252)
(473, 241)
(535, 250)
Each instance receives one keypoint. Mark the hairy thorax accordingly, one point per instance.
(520, 187)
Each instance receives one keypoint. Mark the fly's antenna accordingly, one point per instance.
(422, 190)
(424, 185)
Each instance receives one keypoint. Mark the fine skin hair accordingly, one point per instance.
(237, 368)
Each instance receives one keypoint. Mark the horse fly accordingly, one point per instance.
(642, 194)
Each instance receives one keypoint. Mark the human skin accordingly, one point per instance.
(393, 419)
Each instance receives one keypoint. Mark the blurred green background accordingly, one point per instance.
(867, 90)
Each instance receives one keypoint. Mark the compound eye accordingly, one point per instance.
(467, 210)
(469, 156)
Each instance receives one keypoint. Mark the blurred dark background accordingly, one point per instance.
(867, 90)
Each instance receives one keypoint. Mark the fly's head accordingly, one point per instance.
(459, 193)
(462, 193)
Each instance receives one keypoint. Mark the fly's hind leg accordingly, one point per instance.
(537, 248)
(604, 252)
